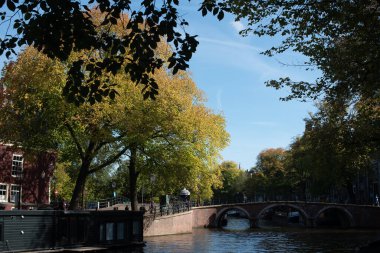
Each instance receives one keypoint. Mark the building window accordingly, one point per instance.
(109, 231)
(3, 193)
(17, 165)
(1, 231)
(120, 230)
(15, 191)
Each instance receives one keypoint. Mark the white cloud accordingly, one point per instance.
(237, 25)
(238, 55)
(230, 44)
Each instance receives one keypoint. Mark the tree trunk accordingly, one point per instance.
(133, 175)
(351, 194)
(304, 193)
(79, 186)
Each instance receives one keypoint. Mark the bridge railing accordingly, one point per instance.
(103, 203)
(226, 202)
(157, 211)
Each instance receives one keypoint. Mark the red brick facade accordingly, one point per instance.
(30, 174)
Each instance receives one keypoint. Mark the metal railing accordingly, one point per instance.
(104, 203)
(157, 211)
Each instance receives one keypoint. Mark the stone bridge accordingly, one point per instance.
(353, 216)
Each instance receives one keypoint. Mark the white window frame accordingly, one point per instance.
(5, 199)
(17, 165)
(12, 197)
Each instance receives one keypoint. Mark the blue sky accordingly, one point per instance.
(231, 71)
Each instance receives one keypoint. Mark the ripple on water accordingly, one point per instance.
(261, 241)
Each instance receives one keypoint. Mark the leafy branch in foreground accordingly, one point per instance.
(58, 28)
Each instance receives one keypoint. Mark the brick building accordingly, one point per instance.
(24, 174)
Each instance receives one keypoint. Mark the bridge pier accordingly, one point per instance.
(253, 222)
(310, 223)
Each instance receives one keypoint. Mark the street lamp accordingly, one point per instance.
(185, 195)
(152, 180)
(113, 188)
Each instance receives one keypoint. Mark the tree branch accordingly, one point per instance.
(109, 161)
(75, 139)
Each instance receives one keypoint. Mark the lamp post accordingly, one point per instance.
(185, 195)
(113, 184)
(152, 180)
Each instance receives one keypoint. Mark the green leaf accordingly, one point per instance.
(175, 69)
(220, 15)
(98, 97)
(204, 11)
(11, 6)
(112, 94)
(215, 11)
(20, 30)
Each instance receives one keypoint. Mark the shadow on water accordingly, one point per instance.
(263, 240)
(234, 220)
(235, 235)
(281, 230)
(281, 216)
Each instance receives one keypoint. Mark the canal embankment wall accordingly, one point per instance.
(179, 223)
(203, 216)
(349, 216)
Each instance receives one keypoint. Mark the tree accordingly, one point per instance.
(174, 133)
(233, 179)
(62, 183)
(300, 165)
(341, 145)
(341, 38)
(35, 115)
(59, 28)
(270, 167)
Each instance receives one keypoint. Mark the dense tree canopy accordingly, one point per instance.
(341, 144)
(59, 28)
(272, 170)
(175, 137)
(340, 37)
(233, 179)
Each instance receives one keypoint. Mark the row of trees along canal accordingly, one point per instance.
(313, 168)
(341, 139)
(124, 139)
(340, 38)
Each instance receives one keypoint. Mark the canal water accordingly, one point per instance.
(233, 238)
(236, 237)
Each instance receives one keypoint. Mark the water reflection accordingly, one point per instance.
(262, 240)
(236, 224)
(238, 237)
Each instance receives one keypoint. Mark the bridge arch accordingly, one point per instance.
(223, 211)
(347, 220)
(274, 205)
